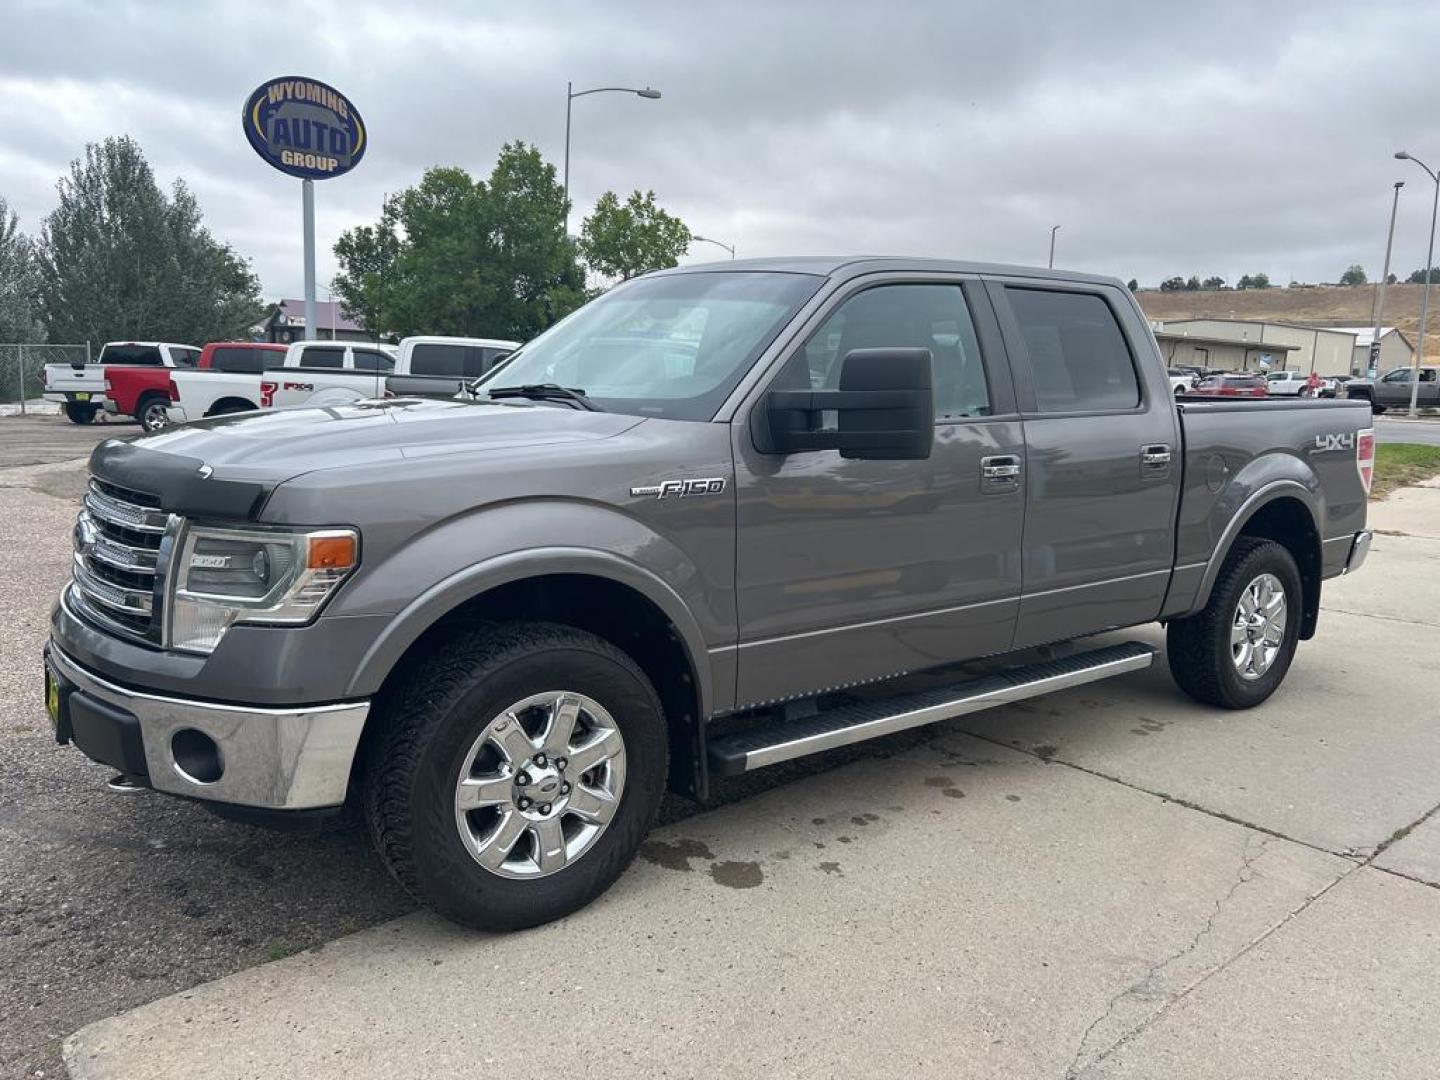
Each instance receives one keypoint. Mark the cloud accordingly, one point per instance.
(1214, 138)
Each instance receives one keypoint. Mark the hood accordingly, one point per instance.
(227, 465)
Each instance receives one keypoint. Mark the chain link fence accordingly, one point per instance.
(22, 369)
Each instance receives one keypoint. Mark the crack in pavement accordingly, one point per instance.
(1382, 618)
(1142, 986)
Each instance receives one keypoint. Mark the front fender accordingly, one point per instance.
(465, 557)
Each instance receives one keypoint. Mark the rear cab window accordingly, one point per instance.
(239, 359)
(1079, 358)
(132, 355)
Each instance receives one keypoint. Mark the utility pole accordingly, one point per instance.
(1373, 361)
(1054, 229)
(1419, 355)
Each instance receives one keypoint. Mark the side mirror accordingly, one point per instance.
(884, 410)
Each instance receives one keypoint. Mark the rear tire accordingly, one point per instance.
(1234, 653)
(152, 412)
(80, 414)
(496, 865)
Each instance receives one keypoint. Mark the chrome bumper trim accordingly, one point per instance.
(281, 759)
(1359, 550)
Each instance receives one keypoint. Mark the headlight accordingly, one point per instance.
(225, 576)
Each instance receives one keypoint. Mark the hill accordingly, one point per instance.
(1310, 306)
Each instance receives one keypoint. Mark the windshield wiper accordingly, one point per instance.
(546, 392)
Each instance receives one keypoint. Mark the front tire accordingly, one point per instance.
(1236, 651)
(514, 773)
(80, 414)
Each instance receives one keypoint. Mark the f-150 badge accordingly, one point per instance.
(681, 489)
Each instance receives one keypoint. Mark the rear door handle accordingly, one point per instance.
(1000, 472)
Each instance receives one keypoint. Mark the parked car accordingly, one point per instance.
(80, 387)
(1231, 386)
(1287, 383)
(1181, 381)
(244, 357)
(1331, 386)
(1392, 390)
(442, 366)
(309, 372)
(141, 392)
(677, 527)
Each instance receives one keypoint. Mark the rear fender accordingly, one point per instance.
(1262, 482)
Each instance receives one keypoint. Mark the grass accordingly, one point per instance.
(1399, 464)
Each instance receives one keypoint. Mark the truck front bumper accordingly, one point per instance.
(271, 758)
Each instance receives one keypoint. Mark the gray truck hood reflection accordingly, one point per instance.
(283, 444)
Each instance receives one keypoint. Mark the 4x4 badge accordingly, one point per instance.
(681, 489)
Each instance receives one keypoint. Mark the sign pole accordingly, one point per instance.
(307, 188)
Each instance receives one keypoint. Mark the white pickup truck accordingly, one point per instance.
(443, 366)
(313, 373)
(80, 388)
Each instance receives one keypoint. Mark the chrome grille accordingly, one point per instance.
(117, 552)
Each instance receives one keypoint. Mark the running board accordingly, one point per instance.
(756, 748)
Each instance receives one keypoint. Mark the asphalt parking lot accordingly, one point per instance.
(1108, 882)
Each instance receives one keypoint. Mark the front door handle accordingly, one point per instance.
(1155, 458)
(1000, 472)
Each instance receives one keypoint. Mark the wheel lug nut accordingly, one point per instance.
(540, 760)
(560, 763)
(544, 808)
(524, 803)
(564, 789)
(522, 779)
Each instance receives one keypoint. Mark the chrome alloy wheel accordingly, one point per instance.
(154, 417)
(540, 784)
(1258, 629)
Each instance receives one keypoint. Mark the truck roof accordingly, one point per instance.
(848, 266)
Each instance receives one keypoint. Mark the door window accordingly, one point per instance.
(1398, 376)
(438, 358)
(933, 317)
(184, 358)
(323, 356)
(372, 360)
(1078, 355)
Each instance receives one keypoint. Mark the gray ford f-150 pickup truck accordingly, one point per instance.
(711, 521)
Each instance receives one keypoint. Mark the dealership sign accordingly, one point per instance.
(304, 128)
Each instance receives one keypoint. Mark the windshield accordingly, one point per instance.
(672, 346)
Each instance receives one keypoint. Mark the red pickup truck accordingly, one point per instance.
(146, 392)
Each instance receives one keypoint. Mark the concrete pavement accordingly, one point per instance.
(1108, 882)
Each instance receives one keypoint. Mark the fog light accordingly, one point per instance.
(197, 757)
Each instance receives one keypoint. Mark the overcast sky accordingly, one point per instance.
(1208, 138)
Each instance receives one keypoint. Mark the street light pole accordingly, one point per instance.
(1372, 362)
(570, 95)
(717, 243)
(1053, 230)
(1418, 357)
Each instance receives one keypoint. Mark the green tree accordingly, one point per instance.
(456, 255)
(19, 283)
(624, 241)
(118, 259)
(1254, 281)
(1213, 283)
(1133, 285)
(1417, 277)
(1192, 284)
(1353, 275)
